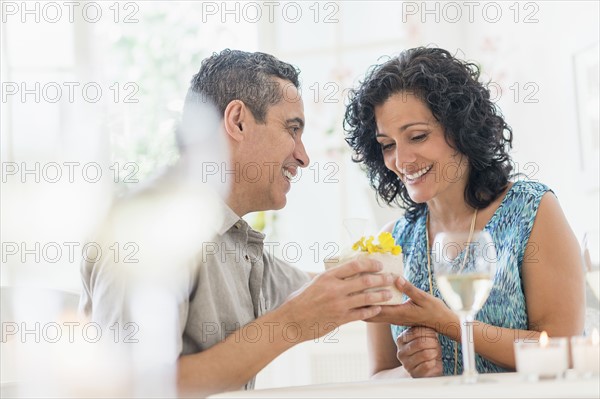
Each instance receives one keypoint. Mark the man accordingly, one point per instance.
(238, 312)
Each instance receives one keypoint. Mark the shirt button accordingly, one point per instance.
(246, 257)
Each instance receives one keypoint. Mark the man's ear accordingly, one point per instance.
(235, 119)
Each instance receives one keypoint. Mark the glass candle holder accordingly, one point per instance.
(586, 354)
(546, 358)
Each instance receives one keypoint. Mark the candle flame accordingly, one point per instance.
(595, 338)
(544, 339)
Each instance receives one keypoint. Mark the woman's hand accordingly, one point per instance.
(421, 309)
(420, 352)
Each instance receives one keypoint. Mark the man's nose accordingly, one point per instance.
(300, 155)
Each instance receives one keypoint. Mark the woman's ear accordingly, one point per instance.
(235, 119)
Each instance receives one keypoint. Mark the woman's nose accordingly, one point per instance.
(404, 156)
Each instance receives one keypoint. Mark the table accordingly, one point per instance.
(504, 385)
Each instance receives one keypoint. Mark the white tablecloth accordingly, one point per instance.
(506, 385)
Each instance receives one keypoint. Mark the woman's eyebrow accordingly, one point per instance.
(402, 128)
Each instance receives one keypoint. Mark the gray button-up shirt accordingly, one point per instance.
(233, 282)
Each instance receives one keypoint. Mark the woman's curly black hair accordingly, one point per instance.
(472, 123)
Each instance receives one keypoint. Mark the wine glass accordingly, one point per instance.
(464, 266)
(355, 228)
(590, 257)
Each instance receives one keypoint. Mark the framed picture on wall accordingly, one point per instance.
(587, 85)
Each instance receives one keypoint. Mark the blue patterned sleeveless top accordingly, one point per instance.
(510, 227)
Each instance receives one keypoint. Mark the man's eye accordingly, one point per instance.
(294, 130)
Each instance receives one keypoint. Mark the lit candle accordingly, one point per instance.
(547, 358)
(586, 354)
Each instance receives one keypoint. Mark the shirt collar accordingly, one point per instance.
(230, 218)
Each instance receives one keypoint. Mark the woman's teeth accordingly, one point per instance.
(419, 173)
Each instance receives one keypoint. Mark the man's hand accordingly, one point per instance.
(331, 299)
(420, 352)
(336, 297)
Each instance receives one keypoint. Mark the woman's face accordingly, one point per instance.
(414, 147)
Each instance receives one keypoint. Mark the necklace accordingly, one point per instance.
(461, 267)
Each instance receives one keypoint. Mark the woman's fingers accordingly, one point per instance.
(370, 298)
(418, 332)
(420, 352)
(410, 290)
(429, 368)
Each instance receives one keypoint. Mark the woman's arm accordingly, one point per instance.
(383, 362)
(554, 293)
(553, 276)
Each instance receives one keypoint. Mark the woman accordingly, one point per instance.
(433, 142)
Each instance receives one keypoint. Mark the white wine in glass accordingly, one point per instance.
(589, 247)
(464, 267)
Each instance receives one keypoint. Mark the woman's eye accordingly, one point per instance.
(419, 137)
(385, 147)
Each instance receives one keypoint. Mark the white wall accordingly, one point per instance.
(546, 132)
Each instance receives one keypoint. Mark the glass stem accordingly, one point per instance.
(468, 349)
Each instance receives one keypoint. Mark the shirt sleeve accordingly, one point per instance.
(123, 298)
